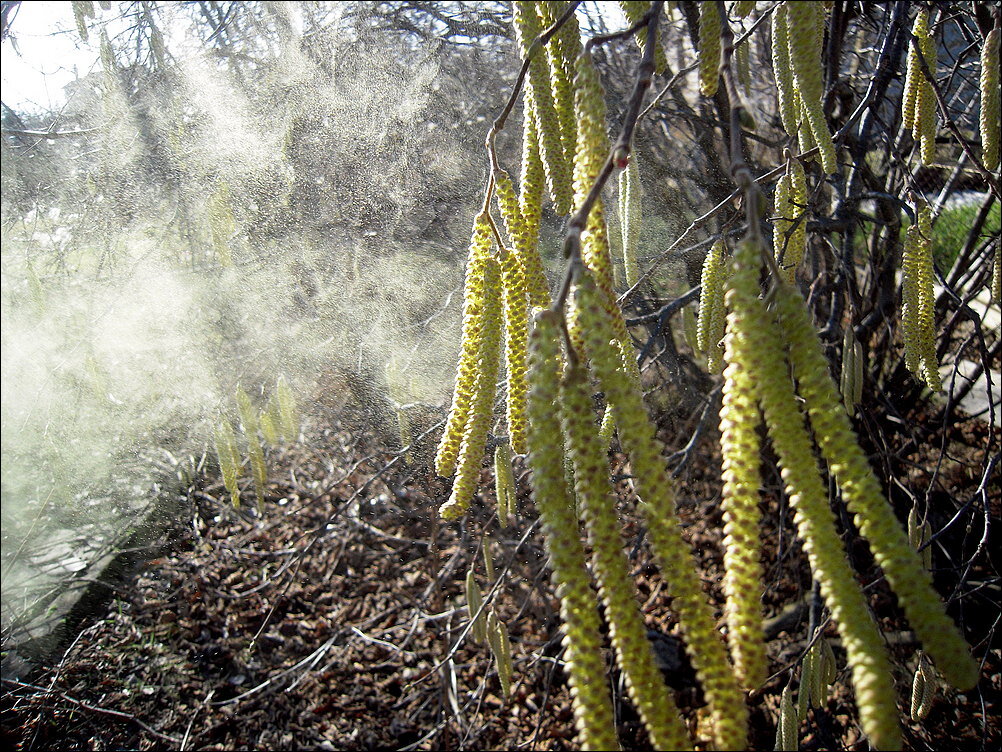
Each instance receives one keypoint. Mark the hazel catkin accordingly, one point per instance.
(807, 74)
(644, 682)
(809, 498)
(474, 305)
(474, 437)
(865, 500)
(990, 100)
(556, 167)
(589, 325)
(712, 312)
(740, 461)
(709, 48)
(593, 714)
(789, 110)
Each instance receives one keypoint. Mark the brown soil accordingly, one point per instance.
(336, 619)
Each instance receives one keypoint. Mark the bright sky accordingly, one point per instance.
(42, 55)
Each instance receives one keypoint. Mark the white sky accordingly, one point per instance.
(51, 55)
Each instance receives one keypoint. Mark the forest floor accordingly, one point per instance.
(335, 619)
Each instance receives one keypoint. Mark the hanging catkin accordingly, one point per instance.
(712, 312)
(644, 682)
(592, 150)
(555, 164)
(516, 322)
(474, 437)
(709, 48)
(918, 299)
(807, 74)
(789, 109)
(530, 199)
(863, 496)
(740, 460)
(631, 217)
(990, 96)
(589, 325)
(925, 111)
(634, 11)
(815, 521)
(561, 52)
(473, 334)
(790, 223)
(585, 665)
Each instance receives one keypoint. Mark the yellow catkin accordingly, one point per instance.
(996, 288)
(743, 8)
(634, 11)
(591, 326)
(248, 418)
(593, 714)
(471, 449)
(709, 48)
(923, 689)
(229, 458)
(562, 50)
(863, 496)
(592, 150)
(789, 237)
(474, 305)
(740, 460)
(555, 164)
(516, 321)
(474, 605)
(805, 60)
(644, 682)
(631, 217)
(909, 300)
(925, 298)
(796, 245)
(781, 216)
(789, 110)
(788, 725)
(924, 130)
(504, 481)
(589, 157)
(712, 312)
(814, 518)
(804, 136)
(530, 199)
(990, 122)
(287, 411)
(913, 71)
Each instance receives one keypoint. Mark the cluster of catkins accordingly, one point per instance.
(556, 356)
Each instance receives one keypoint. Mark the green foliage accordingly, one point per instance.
(952, 227)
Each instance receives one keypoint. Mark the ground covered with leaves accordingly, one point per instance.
(335, 617)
